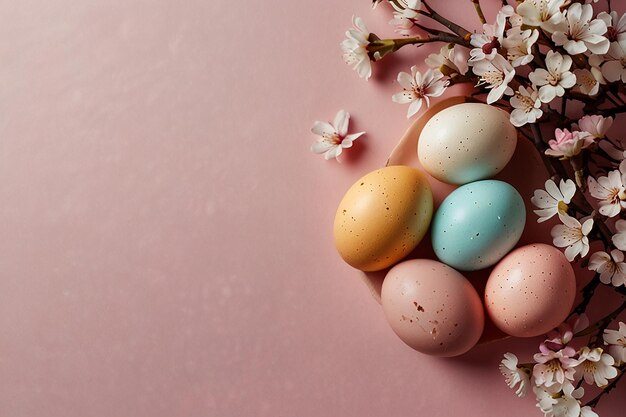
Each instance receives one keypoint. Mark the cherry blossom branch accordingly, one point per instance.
(479, 11)
(587, 291)
(379, 48)
(612, 111)
(603, 323)
(462, 32)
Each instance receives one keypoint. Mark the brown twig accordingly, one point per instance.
(432, 14)
(479, 11)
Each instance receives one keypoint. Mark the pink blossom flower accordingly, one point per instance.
(333, 138)
(596, 125)
(567, 144)
(554, 368)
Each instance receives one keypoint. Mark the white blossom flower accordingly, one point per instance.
(615, 67)
(418, 87)
(553, 200)
(568, 144)
(545, 14)
(514, 375)
(546, 397)
(486, 44)
(619, 238)
(578, 33)
(596, 366)
(616, 27)
(496, 76)
(526, 106)
(611, 268)
(404, 15)
(568, 404)
(334, 137)
(588, 81)
(595, 125)
(555, 79)
(572, 236)
(452, 59)
(610, 192)
(616, 339)
(554, 369)
(518, 44)
(354, 48)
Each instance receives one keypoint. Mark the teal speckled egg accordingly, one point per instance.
(477, 224)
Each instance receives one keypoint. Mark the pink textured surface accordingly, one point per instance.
(166, 242)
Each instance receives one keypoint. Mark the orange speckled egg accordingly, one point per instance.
(432, 307)
(383, 217)
(530, 291)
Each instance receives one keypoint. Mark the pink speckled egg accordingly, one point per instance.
(432, 307)
(530, 291)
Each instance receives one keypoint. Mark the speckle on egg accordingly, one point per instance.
(535, 275)
(467, 142)
(478, 224)
(445, 312)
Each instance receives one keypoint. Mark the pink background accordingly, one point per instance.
(166, 235)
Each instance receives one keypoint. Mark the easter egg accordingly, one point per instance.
(383, 217)
(432, 308)
(530, 291)
(467, 142)
(477, 224)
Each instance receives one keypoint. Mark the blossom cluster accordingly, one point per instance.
(559, 370)
(558, 67)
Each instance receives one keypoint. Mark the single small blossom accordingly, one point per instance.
(518, 44)
(545, 14)
(555, 79)
(419, 87)
(514, 375)
(554, 369)
(616, 339)
(354, 48)
(611, 268)
(596, 126)
(486, 44)
(526, 106)
(553, 200)
(588, 81)
(560, 337)
(496, 76)
(405, 14)
(452, 59)
(615, 67)
(568, 144)
(572, 235)
(619, 238)
(616, 26)
(546, 397)
(334, 138)
(578, 33)
(568, 404)
(596, 367)
(610, 192)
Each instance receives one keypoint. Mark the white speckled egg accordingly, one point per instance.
(530, 291)
(466, 143)
(432, 307)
